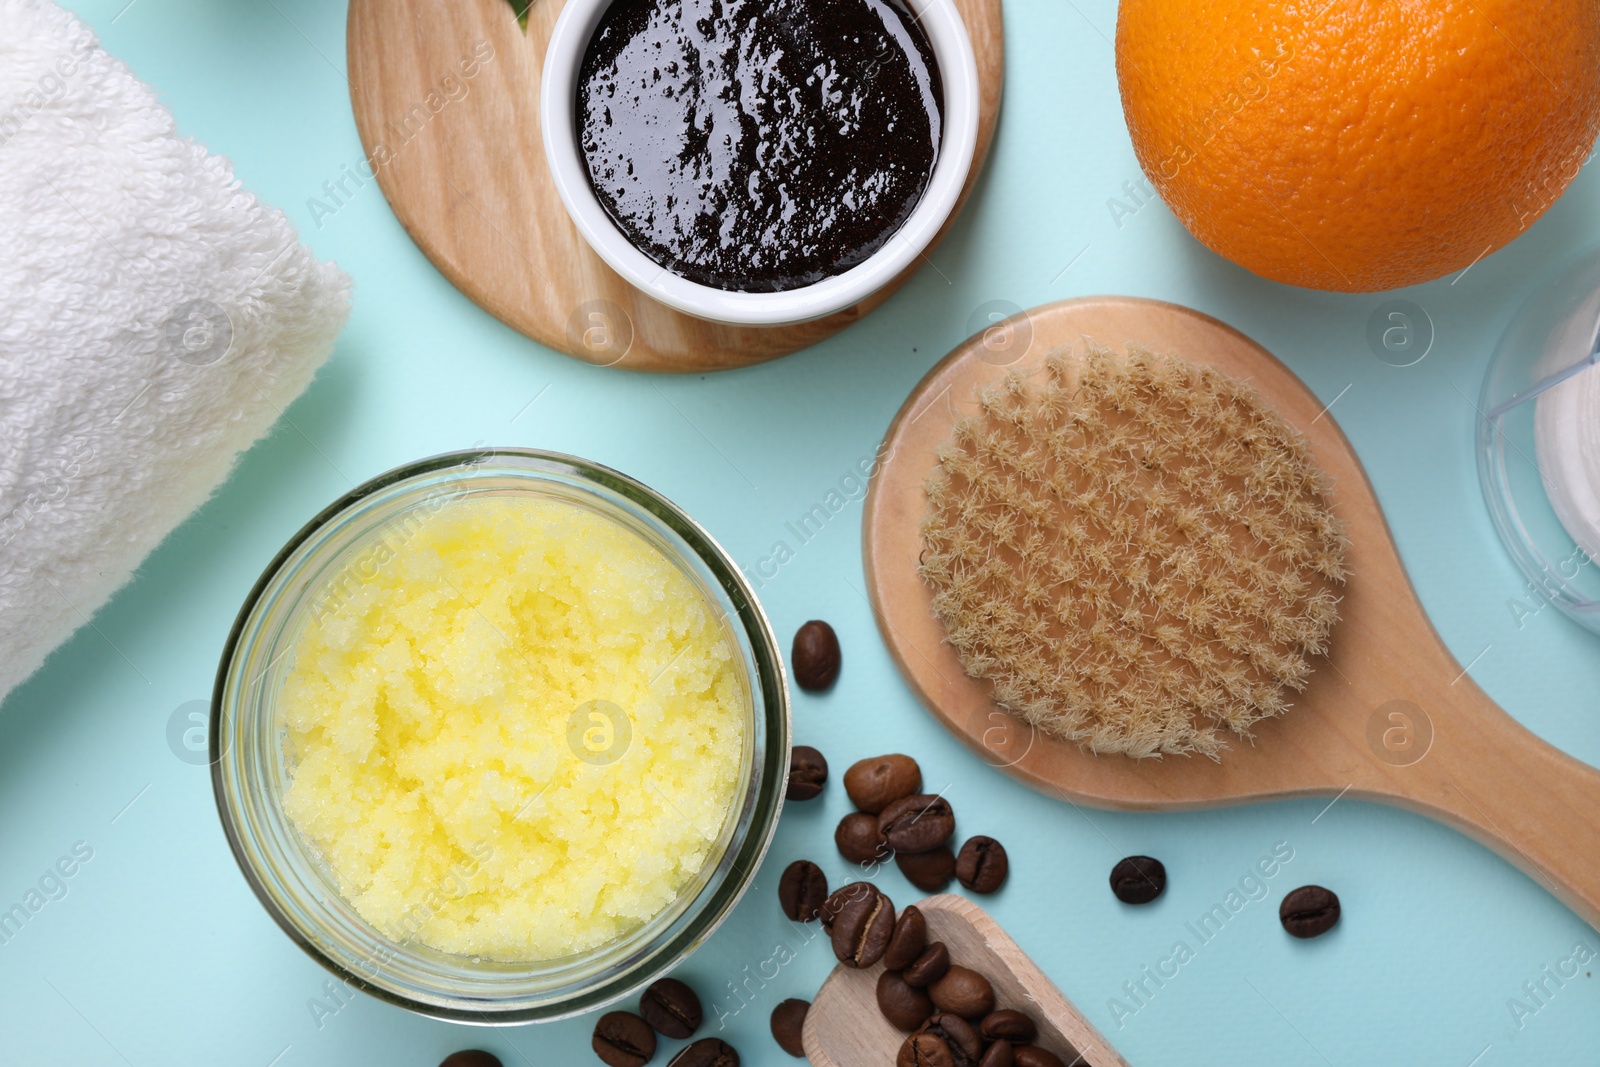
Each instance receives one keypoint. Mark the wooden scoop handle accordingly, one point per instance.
(1488, 776)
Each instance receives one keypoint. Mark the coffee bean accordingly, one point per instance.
(873, 784)
(862, 929)
(958, 1037)
(808, 772)
(1138, 879)
(928, 871)
(1034, 1056)
(672, 1007)
(859, 839)
(925, 1050)
(815, 656)
(964, 992)
(802, 890)
(917, 823)
(998, 1054)
(707, 1052)
(929, 967)
(982, 866)
(472, 1057)
(788, 1023)
(622, 1039)
(842, 896)
(1010, 1024)
(903, 1005)
(1309, 911)
(909, 939)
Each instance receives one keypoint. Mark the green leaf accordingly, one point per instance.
(521, 8)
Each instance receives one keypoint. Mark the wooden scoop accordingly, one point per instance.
(1389, 716)
(844, 1027)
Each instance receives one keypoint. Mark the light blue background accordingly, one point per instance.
(160, 954)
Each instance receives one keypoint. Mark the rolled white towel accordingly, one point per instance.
(155, 319)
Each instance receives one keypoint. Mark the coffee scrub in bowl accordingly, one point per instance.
(500, 736)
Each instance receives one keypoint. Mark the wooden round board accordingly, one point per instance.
(446, 99)
(1388, 715)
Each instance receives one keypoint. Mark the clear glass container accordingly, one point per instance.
(1527, 453)
(250, 766)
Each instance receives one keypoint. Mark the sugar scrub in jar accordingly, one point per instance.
(514, 729)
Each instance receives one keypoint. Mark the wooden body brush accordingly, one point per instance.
(1387, 716)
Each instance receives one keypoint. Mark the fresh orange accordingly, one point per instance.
(1359, 145)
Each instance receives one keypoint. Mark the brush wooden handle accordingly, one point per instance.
(1488, 776)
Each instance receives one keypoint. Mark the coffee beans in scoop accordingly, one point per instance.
(707, 1052)
(905, 1006)
(815, 656)
(788, 1023)
(472, 1057)
(930, 966)
(998, 1054)
(910, 937)
(1309, 911)
(1138, 879)
(802, 890)
(808, 773)
(964, 992)
(982, 865)
(623, 1039)
(671, 1008)
(1034, 1056)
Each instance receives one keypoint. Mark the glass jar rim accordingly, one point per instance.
(602, 975)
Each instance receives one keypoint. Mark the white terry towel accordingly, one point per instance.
(154, 321)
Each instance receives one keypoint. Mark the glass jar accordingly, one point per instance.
(1531, 451)
(251, 768)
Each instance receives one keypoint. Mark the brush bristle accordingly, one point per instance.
(1139, 555)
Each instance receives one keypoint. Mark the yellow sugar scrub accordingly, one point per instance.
(515, 732)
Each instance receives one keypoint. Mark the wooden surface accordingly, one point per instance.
(844, 1027)
(1390, 716)
(470, 184)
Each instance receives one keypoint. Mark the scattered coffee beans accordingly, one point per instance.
(1034, 1056)
(917, 823)
(672, 1008)
(859, 839)
(929, 967)
(707, 1052)
(1138, 879)
(862, 929)
(998, 1054)
(903, 1005)
(1009, 1024)
(788, 1023)
(1309, 911)
(815, 656)
(909, 939)
(928, 871)
(839, 898)
(622, 1039)
(472, 1057)
(802, 890)
(982, 865)
(964, 992)
(873, 784)
(808, 772)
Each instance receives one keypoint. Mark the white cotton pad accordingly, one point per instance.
(1566, 435)
(155, 319)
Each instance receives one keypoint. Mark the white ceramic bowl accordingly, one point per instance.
(958, 70)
